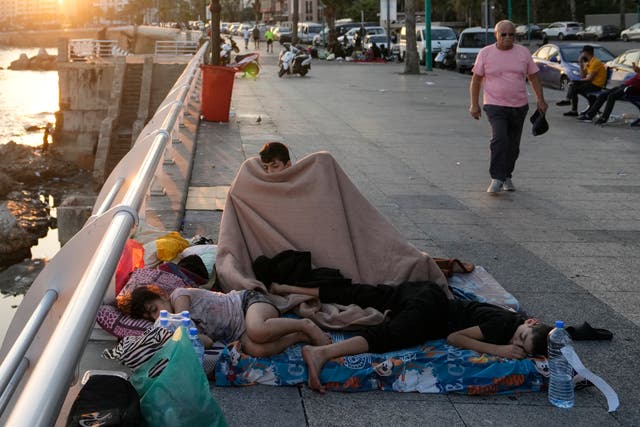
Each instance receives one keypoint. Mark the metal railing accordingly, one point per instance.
(53, 324)
(176, 47)
(83, 49)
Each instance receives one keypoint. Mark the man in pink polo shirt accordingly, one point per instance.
(504, 68)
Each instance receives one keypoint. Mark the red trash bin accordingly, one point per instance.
(217, 85)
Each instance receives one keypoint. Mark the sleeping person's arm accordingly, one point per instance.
(181, 303)
(472, 339)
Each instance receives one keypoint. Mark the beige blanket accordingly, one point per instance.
(313, 206)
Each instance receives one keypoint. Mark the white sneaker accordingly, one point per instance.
(495, 186)
(508, 185)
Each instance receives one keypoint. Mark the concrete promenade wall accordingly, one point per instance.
(85, 96)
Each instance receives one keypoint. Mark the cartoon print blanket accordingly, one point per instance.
(434, 367)
(313, 206)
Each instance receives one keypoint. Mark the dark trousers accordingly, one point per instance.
(579, 87)
(506, 131)
(610, 96)
(418, 311)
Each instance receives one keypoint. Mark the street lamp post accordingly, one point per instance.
(428, 59)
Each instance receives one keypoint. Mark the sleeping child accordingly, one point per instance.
(417, 312)
(248, 316)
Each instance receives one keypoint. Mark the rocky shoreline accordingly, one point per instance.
(28, 178)
(41, 62)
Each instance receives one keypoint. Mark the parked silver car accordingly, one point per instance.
(563, 30)
(631, 33)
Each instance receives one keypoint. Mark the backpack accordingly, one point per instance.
(106, 400)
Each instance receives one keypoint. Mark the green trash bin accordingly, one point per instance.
(217, 86)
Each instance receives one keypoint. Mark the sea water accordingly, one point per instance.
(27, 98)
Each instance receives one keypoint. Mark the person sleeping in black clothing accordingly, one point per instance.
(417, 312)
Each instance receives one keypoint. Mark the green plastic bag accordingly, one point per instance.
(180, 395)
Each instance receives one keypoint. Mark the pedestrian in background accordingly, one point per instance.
(245, 37)
(268, 36)
(504, 68)
(256, 37)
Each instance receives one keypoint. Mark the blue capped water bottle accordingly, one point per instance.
(197, 344)
(561, 372)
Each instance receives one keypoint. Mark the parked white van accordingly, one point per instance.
(308, 30)
(441, 38)
(469, 44)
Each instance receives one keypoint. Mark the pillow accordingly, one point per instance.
(121, 325)
(206, 252)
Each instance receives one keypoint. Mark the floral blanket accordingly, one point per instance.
(434, 367)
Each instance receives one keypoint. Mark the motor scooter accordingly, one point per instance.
(446, 58)
(293, 60)
(247, 63)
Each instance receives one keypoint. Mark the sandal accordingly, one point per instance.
(586, 332)
(449, 266)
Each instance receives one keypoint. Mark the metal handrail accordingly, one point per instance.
(43, 394)
(176, 47)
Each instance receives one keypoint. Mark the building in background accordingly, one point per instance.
(274, 11)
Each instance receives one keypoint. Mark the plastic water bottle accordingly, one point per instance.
(197, 344)
(560, 380)
(163, 319)
(173, 321)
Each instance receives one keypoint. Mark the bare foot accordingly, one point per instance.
(277, 289)
(316, 335)
(313, 358)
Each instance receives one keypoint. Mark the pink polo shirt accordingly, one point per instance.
(505, 73)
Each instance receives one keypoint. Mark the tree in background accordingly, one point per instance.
(230, 10)
(215, 8)
(355, 10)
(330, 12)
(411, 60)
(295, 19)
(257, 5)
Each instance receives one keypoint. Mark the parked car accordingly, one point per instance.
(322, 38)
(523, 30)
(558, 64)
(380, 40)
(350, 35)
(283, 34)
(598, 32)
(441, 38)
(469, 44)
(631, 33)
(307, 31)
(563, 30)
(621, 68)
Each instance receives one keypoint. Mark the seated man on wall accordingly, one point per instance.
(610, 96)
(593, 77)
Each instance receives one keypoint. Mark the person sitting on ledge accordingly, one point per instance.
(420, 311)
(593, 77)
(610, 96)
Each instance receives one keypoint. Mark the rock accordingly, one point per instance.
(16, 279)
(7, 184)
(24, 216)
(15, 242)
(41, 62)
(23, 164)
